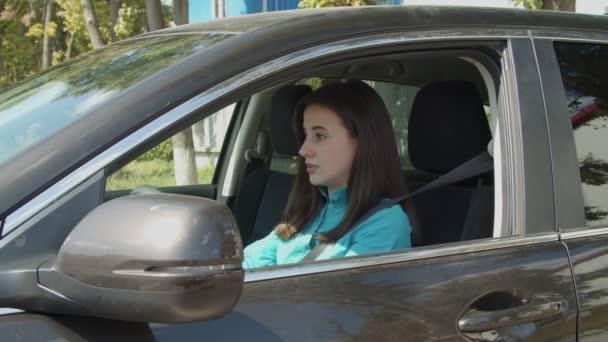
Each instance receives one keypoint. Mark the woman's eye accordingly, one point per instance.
(320, 136)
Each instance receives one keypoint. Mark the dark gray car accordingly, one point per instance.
(97, 245)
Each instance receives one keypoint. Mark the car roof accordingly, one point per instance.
(399, 17)
(257, 38)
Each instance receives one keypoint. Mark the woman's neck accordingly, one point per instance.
(331, 191)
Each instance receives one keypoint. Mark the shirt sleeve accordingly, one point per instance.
(387, 230)
(262, 252)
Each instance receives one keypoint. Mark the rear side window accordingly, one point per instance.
(584, 70)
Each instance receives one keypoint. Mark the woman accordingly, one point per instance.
(348, 164)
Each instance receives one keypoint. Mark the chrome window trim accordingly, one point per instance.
(316, 267)
(9, 311)
(512, 154)
(571, 234)
(572, 36)
(69, 182)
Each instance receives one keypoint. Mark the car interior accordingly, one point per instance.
(442, 104)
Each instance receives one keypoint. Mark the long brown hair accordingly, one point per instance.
(375, 172)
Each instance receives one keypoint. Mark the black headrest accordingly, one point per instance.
(447, 126)
(281, 114)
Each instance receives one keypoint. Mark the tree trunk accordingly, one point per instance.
(219, 9)
(90, 21)
(1, 59)
(180, 9)
(114, 7)
(184, 158)
(46, 51)
(70, 46)
(154, 14)
(183, 142)
(560, 5)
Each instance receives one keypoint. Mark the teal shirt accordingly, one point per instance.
(388, 229)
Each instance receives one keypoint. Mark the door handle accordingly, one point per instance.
(479, 320)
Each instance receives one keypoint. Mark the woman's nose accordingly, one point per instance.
(305, 150)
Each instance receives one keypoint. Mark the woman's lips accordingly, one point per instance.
(311, 168)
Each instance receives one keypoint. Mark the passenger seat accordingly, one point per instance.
(447, 127)
(263, 193)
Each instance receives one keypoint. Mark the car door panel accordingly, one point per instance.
(35, 327)
(589, 257)
(566, 85)
(416, 300)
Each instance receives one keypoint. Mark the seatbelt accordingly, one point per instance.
(479, 165)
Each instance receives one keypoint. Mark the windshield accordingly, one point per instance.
(44, 104)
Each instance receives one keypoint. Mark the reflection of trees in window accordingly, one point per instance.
(583, 68)
(594, 172)
(585, 76)
(593, 214)
(117, 66)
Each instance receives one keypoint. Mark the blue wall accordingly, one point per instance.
(200, 10)
(239, 7)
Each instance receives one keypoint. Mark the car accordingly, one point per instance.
(98, 243)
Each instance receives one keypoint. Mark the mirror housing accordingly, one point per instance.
(149, 258)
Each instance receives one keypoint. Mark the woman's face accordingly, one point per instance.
(328, 149)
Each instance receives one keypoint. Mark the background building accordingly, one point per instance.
(200, 10)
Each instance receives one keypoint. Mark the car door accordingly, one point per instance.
(517, 285)
(575, 74)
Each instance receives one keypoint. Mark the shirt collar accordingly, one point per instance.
(338, 197)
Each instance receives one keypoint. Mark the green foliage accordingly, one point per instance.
(313, 82)
(19, 53)
(336, 3)
(529, 4)
(155, 172)
(163, 151)
(37, 30)
(129, 21)
(21, 31)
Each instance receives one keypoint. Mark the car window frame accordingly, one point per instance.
(153, 143)
(226, 92)
(569, 198)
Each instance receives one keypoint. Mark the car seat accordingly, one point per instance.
(447, 127)
(263, 193)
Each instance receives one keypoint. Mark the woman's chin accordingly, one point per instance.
(315, 181)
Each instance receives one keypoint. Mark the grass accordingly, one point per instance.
(155, 172)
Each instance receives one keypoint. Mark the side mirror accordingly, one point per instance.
(149, 258)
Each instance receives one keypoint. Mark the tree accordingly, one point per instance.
(184, 157)
(114, 7)
(335, 3)
(552, 5)
(154, 14)
(20, 36)
(180, 10)
(90, 20)
(46, 50)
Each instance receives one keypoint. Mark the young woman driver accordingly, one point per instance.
(348, 164)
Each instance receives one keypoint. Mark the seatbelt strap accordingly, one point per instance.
(316, 251)
(479, 165)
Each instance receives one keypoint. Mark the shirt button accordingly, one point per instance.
(331, 205)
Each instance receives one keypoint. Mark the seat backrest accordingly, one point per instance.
(447, 127)
(263, 193)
